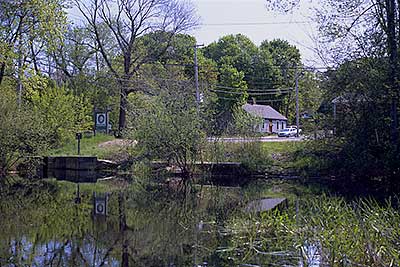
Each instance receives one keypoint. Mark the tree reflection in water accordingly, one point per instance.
(47, 229)
(143, 228)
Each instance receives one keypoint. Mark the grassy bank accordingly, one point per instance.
(256, 156)
(90, 146)
(282, 147)
(232, 151)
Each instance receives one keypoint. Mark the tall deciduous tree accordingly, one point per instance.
(268, 71)
(130, 23)
(167, 125)
(228, 99)
(28, 29)
(276, 68)
(234, 50)
(361, 29)
(77, 54)
(362, 38)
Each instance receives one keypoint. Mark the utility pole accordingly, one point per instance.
(297, 102)
(196, 77)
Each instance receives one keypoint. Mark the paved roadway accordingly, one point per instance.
(255, 139)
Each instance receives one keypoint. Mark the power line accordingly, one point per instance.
(251, 94)
(257, 101)
(269, 100)
(257, 23)
(279, 67)
(256, 90)
(228, 98)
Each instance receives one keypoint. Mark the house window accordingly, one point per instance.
(277, 125)
(282, 125)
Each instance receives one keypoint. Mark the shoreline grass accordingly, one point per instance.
(89, 147)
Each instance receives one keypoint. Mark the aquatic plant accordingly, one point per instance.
(340, 233)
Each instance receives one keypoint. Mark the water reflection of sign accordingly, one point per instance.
(100, 204)
(101, 119)
(100, 208)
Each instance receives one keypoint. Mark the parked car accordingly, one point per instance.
(293, 127)
(288, 132)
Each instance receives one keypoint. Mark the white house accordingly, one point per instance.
(273, 121)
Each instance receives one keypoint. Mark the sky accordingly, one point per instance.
(251, 18)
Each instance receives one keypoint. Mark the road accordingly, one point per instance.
(255, 139)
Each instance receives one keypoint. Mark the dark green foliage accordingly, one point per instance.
(235, 50)
(360, 149)
(229, 99)
(362, 118)
(365, 85)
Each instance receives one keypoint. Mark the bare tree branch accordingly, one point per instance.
(128, 21)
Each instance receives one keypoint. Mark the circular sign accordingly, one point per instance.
(101, 119)
(100, 208)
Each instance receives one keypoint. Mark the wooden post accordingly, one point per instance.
(78, 137)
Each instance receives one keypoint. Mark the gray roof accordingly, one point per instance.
(264, 111)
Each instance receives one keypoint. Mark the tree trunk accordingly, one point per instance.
(34, 59)
(122, 229)
(2, 71)
(123, 104)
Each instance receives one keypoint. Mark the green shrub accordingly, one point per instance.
(169, 128)
(22, 134)
(254, 157)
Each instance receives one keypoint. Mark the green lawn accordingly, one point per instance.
(232, 150)
(282, 147)
(89, 147)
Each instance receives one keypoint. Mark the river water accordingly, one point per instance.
(143, 227)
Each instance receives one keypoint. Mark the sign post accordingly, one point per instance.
(78, 137)
(102, 121)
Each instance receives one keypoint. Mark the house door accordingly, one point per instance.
(270, 127)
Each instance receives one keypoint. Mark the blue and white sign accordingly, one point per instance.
(101, 119)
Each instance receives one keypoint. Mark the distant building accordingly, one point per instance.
(273, 121)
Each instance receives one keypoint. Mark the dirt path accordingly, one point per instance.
(255, 139)
(121, 143)
(117, 150)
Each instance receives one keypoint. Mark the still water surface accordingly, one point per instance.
(142, 228)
